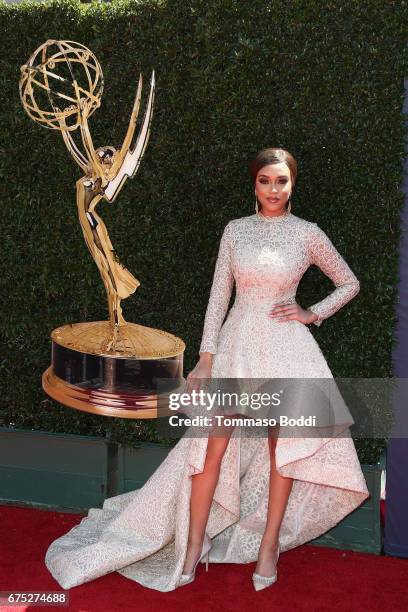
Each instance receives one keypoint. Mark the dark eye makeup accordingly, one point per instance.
(263, 181)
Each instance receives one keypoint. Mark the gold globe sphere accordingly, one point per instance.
(60, 79)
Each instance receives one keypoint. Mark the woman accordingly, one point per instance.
(239, 498)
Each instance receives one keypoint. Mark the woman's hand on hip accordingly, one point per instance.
(292, 312)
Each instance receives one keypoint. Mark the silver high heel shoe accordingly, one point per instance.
(187, 578)
(261, 582)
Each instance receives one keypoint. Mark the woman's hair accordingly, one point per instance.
(273, 156)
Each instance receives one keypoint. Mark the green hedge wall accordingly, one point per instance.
(324, 79)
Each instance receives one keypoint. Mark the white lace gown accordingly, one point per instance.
(143, 534)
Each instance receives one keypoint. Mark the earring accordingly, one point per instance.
(256, 205)
(289, 207)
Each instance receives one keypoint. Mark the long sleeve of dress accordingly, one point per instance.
(324, 255)
(220, 294)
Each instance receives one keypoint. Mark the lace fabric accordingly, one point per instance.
(266, 258)
(143, 534)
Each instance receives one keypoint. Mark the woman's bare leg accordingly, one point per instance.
(202, 492)
(279, 491)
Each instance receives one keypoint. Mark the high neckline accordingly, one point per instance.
(275, 219)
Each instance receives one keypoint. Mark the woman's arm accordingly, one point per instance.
(220, 295)
(324, 255)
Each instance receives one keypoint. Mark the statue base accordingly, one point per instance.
(131, 379)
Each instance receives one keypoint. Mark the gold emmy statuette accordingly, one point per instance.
(114, 368)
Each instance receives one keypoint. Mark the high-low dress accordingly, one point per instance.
(143, 534)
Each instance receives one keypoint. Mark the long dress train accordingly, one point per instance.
(143, 534)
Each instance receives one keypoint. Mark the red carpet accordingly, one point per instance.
(311, 578)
